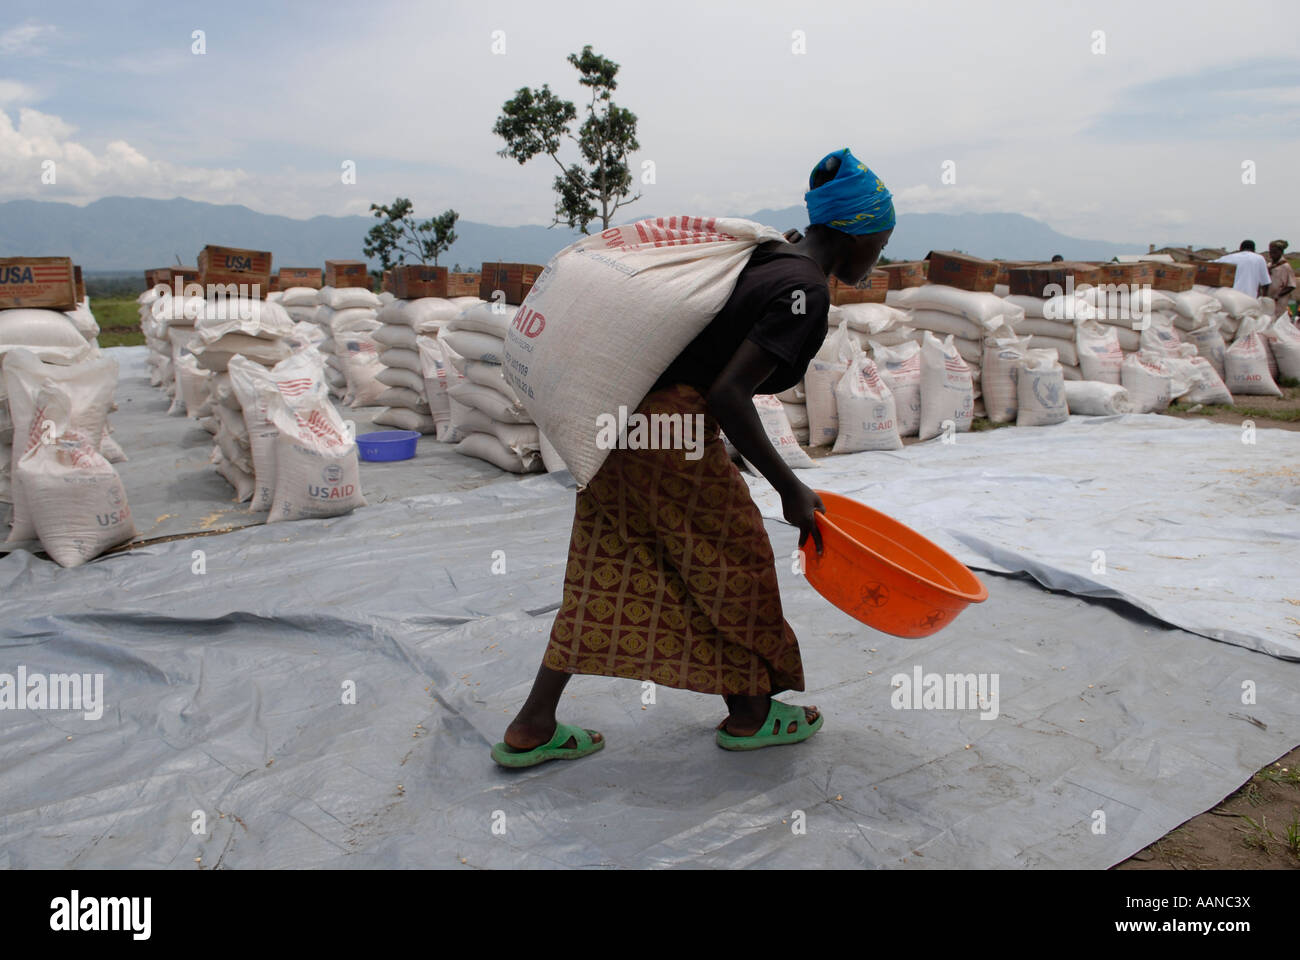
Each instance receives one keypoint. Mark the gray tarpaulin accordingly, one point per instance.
(225, 688)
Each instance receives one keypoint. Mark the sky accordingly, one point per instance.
(1129, 122)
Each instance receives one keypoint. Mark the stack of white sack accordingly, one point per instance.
(348, 317)
(486, 418)
(156, 341)
(795, 404)
(85, 321)
(966, 316)
(404, 324)
(79, 377)
(771, 413)
(1051, 323)
(245, 449)
(1235, 305)
(1154, 379)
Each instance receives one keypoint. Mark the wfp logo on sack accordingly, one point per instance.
(1047, 392)
(529, 322)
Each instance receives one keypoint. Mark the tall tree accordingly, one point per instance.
(398, 234)
(536, 121)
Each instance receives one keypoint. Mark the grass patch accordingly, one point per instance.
(119, 321)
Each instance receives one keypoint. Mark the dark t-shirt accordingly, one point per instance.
(761, 309)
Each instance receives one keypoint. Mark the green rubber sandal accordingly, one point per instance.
(554, 750)
(785, 713)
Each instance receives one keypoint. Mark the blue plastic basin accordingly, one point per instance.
(387, 445)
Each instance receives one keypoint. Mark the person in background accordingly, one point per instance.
(1057, 258)
(1281, 276)
(1252, 270)
(671, 578)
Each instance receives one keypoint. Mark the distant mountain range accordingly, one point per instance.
(134, 233)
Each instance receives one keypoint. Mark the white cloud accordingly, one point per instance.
(12, 91)
(83, 175)
(25, 39)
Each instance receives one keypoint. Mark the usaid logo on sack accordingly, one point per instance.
(115, 497)
(332, 474)
(529, 322)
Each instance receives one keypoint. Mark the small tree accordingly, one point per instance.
(535, 121)
(398, 234)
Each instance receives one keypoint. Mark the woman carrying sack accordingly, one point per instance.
(670, 575)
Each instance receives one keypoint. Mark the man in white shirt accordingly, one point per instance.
(1252, 270)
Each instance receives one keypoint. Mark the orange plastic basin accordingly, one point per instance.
(885, 574)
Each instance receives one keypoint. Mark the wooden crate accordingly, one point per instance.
(513, 279)
(46, 282)
(462, 284)
(1173, 276)
(870, 290)
(416, 281)
(300, 277)
(1032, 281)
(1216, 274)
(958, 270)
(235, 265)
(1142, 273)
(1006, 266)
(910, 273)
(80, 283)
(347, 273)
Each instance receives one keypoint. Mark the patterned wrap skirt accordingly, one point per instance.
(670, 575)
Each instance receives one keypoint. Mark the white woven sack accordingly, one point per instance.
(77, 504)
(900, 367)
(1148, 384)
(780, 434)
(317, 473)
(1040, 390)
(484, 446)
(610, 313)
(401, 418)
(340, 298)
(475, 345)
(1094, 398)
(947, 389)
(87, 384)
(865, 410)
(982, 308)
(260, 391)
(252, 318)
(38, 328)
(1002, 358)
(1246, 361)
(1099, 351)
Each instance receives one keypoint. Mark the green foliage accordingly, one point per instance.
(399, 235)
(537, 122)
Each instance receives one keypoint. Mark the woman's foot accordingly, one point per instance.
(747, 715)
(525, 734)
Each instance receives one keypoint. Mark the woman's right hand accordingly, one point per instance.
(799, 505)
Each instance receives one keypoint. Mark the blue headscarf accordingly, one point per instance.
(855, 201)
